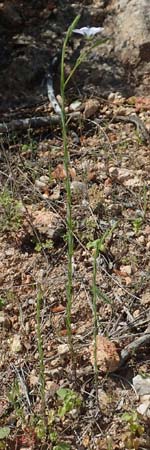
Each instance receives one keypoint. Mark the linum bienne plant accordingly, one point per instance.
(88, 33)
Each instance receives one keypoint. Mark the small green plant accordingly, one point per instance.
(10, 211)
(41, 429)
(31, 146)
(4, 432)
(137, 224)
(2, 302)
(70, 400)
(14, 394)
(138, 221)
(90, 228)
(109, 443)
(48, 244)
(15, 398)
(62, 446)
(135, 428)
(133, 420)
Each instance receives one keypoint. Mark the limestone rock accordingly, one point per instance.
(107, 356)
(16, 345)
(91, 108)
(48, 223)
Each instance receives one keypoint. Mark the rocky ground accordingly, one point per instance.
(108, 138)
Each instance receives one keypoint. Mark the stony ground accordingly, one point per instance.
(109, 170)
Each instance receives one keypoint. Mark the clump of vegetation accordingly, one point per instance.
(47, 245)
(11, 216)
(138, 221)
(44, 425)
(135, 429)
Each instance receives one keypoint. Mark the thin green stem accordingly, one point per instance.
(95, 328)
(145, 201)
(40, 349)
(69, 202)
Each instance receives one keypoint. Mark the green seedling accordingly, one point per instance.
(69, 399)
(31, 146)
(133, 420)
(47, 245)
(10, 212)
(137, 224)
(135, 428)
(41, 429)
(53, 436)
(4, 432)
(15, 398)
(90, 228)
(2, 302)
(138, 221)
(109, 443)
(62, 446)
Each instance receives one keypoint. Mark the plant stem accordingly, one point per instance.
(69, 204)
(40, 349)
(95, 329)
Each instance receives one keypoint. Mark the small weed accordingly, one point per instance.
(4, 432)
(62, 446)
(15, 399)
(135, 428)
(10, 296)
(123, 145)
(139, 138)
(133, 420)
(70, 401)
(44, 428)
(2, 302)
(47, 245)
(31, 146)
(10, 209)
(137, 224)
(138, 221)
(14, 393)
(53, 436)
(109, 443)
(41, 429)
(90, 229)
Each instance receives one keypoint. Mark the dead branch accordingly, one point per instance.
(33, 122)
(128, 351)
